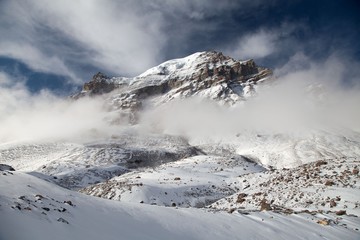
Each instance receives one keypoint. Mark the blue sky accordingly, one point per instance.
(59, 45)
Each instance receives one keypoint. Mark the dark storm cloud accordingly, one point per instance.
(269, 31)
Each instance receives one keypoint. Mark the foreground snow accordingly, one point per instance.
(31, 208)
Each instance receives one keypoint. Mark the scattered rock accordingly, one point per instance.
(288, 211)
(324, 222)
(177, 179)
(46, 209)
(62, 209)
(264, 205)
(320, 162)
(329, 183)
(332, 203)
(62, 220)
(355, 171)
(39, 197)
(68, 202)
(340, 212)
(231, 210)
(241, 198)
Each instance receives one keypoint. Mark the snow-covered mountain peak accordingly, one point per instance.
(192, 74)
(210, 63)
(170, 66)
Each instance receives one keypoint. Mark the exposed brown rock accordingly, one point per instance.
(264, 205)
(324, 222)
(329, 183)
(241, 198)
(99, 84)
(340, 212)
(320, 162)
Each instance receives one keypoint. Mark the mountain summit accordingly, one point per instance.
(207, 74)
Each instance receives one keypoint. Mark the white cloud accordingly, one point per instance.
(263, 42)
(118, 36)
(45, 117)
(4, 79)
(36, 60)
(256, 45)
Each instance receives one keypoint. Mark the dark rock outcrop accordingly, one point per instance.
(99, 84)
(5, 167)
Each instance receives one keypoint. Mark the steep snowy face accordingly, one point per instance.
(184, 65)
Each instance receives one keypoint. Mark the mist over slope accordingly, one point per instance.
(315, 96)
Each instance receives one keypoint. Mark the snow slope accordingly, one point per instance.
(326, 185)
(286, 150)
(75, 165)
(192, 182)
(36, 209)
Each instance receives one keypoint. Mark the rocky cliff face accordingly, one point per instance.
(99, 84)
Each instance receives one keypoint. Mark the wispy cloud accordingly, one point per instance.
(263, 42)
(117, 36)
(37, 60)
(257, 45)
